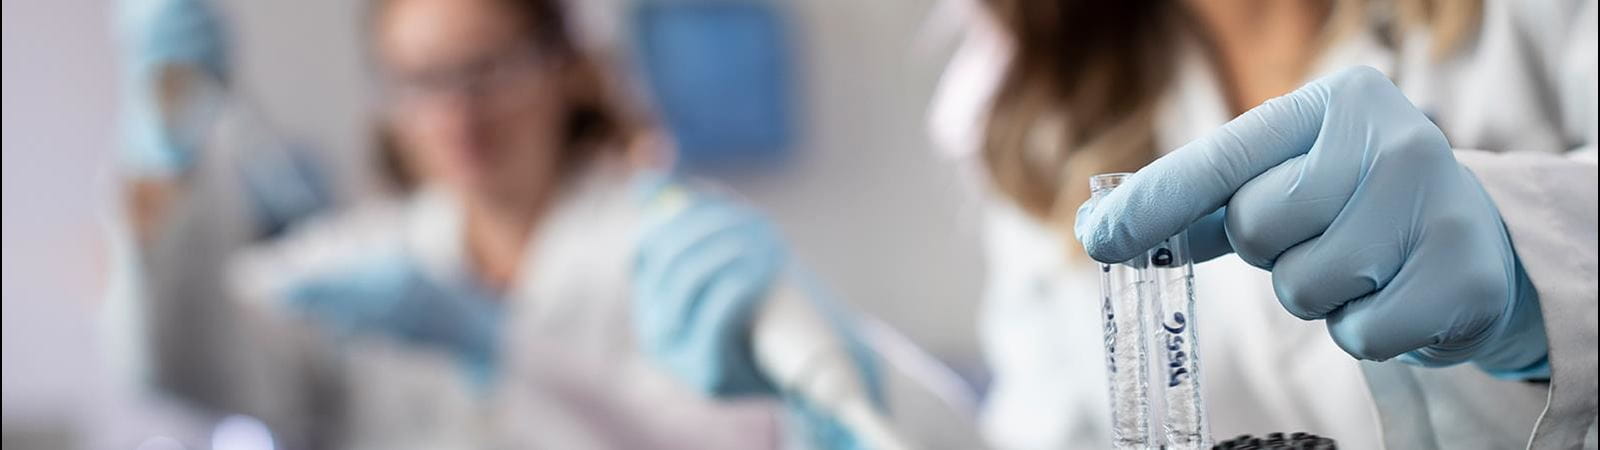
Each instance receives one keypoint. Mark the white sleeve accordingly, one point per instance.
(1548, 202)
(190, 334)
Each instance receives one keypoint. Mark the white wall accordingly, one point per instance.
(58, 116)
(867, 202)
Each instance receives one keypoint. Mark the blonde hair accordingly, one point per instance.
(1079, 95)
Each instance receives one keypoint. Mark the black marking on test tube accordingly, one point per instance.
(1162, 258)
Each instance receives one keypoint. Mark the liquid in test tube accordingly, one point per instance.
(1123, 313)
(1169, 276)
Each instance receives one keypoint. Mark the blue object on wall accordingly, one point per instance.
(720, 74)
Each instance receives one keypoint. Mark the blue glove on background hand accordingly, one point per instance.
(705, 266)
(1354, 201)
(389, 295)
(156, 34)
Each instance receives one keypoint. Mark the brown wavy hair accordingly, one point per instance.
(1079, 95)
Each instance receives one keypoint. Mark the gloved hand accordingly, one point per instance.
(390, 296)
(1354, 201)
(704, 268)
(176, 70)
(156, 35)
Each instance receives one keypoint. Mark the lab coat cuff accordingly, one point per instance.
(1548, 204)
(1537, 371)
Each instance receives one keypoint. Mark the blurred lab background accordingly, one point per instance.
(835, 150)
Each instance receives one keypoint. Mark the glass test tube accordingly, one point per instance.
(1169, 276)
(1122, 309)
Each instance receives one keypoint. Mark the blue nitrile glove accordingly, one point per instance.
(390, 296)
(283, 178)
(704, 267)
(156, 34)
(1355, 202)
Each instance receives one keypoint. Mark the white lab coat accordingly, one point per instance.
(217, 328)
(1522, 94)
(571, 375)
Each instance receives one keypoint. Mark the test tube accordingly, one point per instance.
(1169, 276)
(1122, 307)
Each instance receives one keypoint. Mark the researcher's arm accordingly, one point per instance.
(707, 270)
(1548, 202)
(184, 330)
(182, 109)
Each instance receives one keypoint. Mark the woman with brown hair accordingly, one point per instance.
(490, 305)
(1343, 190)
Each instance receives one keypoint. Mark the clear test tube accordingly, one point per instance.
(1169, 276)
(1123, 314)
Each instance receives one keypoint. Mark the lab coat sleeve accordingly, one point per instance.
(195, 338)
(1548, 202)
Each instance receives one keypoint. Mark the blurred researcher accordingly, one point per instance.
(1438, 210)
(519, 293)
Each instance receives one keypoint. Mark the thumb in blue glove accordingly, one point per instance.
(1354, 201)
